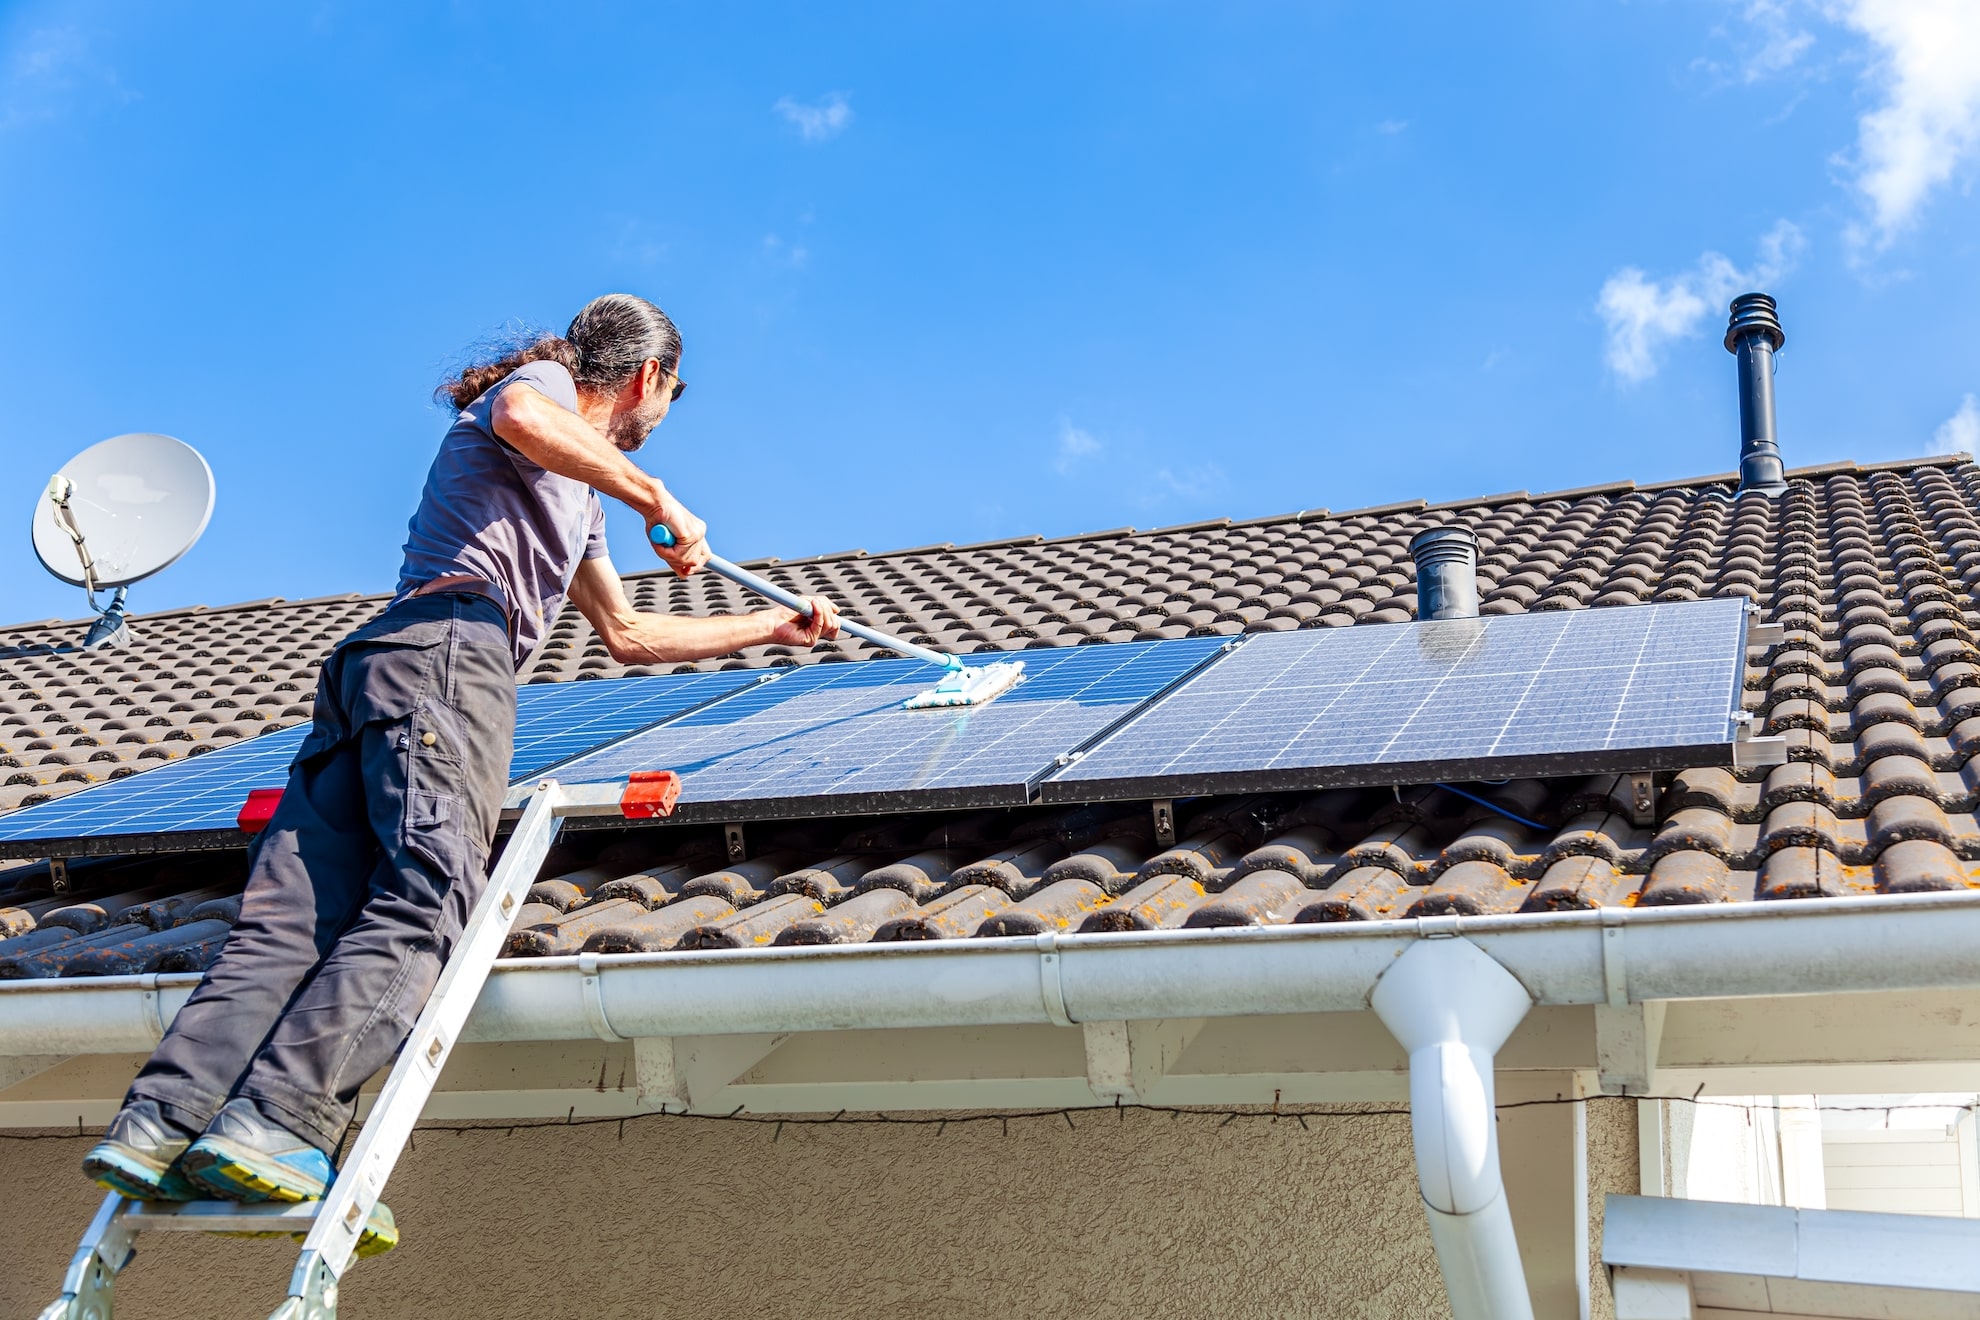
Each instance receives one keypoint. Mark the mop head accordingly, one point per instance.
(972, 685)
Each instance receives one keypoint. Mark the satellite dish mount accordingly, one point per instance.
(111, 628)
(117, 512)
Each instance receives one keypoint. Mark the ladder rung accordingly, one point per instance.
(220, 1216)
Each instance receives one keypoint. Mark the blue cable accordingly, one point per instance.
(1493, 806)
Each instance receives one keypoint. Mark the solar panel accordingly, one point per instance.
(200, 796)
(1647, 687)
(557, 721)
(831, 739)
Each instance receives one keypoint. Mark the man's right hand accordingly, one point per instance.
(690, 548)
(794, 629)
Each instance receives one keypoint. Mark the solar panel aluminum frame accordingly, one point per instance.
(1740, 748)
(222, 839)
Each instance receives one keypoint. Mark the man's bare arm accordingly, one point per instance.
(635, 637)
(560, 441)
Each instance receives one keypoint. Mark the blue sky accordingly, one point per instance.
(951, 273)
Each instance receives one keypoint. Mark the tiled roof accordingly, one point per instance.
(1876, 687)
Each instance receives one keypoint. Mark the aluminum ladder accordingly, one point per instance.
(330, 1228)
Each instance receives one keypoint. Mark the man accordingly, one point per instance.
(377, 852)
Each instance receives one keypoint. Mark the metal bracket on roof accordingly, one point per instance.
(1165, 822)
(733, 843)
(58, 874)
(1750, 751)
(1759, 633)
(1641, 792)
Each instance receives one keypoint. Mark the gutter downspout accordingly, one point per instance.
(1451, 1007)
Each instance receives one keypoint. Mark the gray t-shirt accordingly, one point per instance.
(489, 512)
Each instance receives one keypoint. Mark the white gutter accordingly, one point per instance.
(1452, 1007)
(1808, 946)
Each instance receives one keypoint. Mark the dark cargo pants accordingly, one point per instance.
(363, 879)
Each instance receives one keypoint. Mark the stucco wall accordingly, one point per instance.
(1142, 1214)
(1613, 1166)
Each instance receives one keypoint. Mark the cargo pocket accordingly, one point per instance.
(393, 673)
(438, 815)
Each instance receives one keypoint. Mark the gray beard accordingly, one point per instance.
(628, 432)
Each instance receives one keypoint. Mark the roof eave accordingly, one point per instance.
(1612, 957)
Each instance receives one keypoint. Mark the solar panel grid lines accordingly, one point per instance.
(833, 739)
(556, 722)
(198, 793)
(1559, 692)
(193, 803)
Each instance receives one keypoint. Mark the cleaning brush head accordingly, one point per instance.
(969, 685)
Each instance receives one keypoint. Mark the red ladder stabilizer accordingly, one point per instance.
(649, 793)
(258, 809)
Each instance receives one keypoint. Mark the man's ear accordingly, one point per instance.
(651, 378)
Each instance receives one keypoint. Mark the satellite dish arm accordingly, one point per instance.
(60, 488)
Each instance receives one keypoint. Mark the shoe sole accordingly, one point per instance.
(127, 1173)
(235, 1173)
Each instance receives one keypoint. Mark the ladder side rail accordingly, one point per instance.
(334, 1233)
(89, 1283)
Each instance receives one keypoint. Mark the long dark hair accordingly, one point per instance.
(606, 343)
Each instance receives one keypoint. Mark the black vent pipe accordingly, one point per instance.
(1754, 336)
(1446, 573)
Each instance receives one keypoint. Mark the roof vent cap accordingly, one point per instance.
(1446, 573)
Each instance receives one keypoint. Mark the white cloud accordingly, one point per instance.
(1928, 71)
(1074, 446)
(1782, 40)
(779, 249)
(1959, 433)
(1190, 483)
(1391, 127)
(820, 122)
(1643, 315)
(1922, 69)
(47, 71)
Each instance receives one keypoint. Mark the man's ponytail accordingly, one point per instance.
(607, 342)
(475, 379)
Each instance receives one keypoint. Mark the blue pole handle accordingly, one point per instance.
(662, 535)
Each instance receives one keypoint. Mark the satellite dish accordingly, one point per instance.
(118, 512)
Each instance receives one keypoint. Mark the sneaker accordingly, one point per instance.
(140, 1155)
(243, 1156)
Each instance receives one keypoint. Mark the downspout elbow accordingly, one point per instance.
(1451, 1007)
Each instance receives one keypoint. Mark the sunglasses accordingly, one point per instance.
(679, 385)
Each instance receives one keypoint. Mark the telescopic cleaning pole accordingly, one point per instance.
(963, 684)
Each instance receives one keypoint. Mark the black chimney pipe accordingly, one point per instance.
(1754, 336)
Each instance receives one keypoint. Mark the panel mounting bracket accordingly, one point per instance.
(1750, 750)
(1165, 822)
(58, 874)
(733, 844)
(1750, 753)
(1640, 790)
